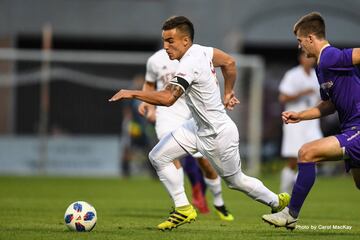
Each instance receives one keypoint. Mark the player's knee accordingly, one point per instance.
(153, 157)
(306, 154)
(237, 182)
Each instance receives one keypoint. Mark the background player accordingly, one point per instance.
(299, 90)
(159, 71)
(210, 131)
(339, 88)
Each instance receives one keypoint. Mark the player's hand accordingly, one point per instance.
(147, 110)
(230, 100)
(290, 117)
(122, 94)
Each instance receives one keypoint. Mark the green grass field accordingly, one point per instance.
(33, 208)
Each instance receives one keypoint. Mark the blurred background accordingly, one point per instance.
(60, 61)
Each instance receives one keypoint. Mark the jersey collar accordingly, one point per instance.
(325, 46)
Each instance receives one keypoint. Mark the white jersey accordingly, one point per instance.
(202, 92)
(160, 70)
(295, 135)
(297, 80)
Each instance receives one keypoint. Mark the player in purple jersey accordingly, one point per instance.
(340, 91)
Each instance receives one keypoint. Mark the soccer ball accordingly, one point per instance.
(80, 216)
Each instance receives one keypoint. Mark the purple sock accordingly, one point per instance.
(193, 171)
(302, 187)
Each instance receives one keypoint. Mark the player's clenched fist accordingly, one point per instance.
(290, 117)
(230, 101)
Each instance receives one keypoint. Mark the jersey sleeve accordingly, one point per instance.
(209, 51)
(287, 85)
(336, 59)
(151, 74)
(184, 75)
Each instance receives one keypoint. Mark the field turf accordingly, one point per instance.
(33, 208)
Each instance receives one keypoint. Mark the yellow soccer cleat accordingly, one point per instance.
(223, 213)
(178, 217)
(284, 200)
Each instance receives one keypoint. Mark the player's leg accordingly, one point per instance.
(223, 153)
(198, 185)
(320, 150)
(213, 182)
(294, 136)
(162, 157)
(288, 175)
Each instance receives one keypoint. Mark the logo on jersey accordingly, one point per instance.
(327, 85)
(212, 68)
(166, 78)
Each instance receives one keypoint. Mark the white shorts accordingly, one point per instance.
(164, 126)
(296, 135)
(222, 150)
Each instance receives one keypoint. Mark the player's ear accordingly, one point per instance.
(311, 38)
(186, 41)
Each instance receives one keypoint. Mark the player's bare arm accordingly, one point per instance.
(166, 97)
(228, 69)
(324, 108)
(284, 98)
(356, 56)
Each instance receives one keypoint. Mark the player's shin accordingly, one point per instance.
(252, 187)
(214, 186)
(303, 185)
(171, 178)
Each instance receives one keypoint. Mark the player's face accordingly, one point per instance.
(175, 43)
(306, 45)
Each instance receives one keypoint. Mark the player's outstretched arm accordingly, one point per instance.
(166, 97)
(228, 69)
(324, 108)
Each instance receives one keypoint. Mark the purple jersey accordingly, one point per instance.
(340, 83)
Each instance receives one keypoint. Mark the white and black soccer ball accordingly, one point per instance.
(80, 216)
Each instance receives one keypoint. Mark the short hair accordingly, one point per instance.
(312, 23)
(182, 23)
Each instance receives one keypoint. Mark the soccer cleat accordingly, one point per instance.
(177, 218)
(223, 213)
(199, 200)
(281, 219)
(284, 200)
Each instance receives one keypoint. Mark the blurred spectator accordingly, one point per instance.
(138, 134)
(299, 90)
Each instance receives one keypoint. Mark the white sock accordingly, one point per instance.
(214, 186)
(252, 187)
(287, 181)
(170, 176)
(181, 172)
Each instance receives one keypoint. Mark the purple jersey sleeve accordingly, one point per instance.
(336, 59)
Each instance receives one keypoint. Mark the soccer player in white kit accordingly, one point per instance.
(299, 90)
(159, 72)
(210, 131)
